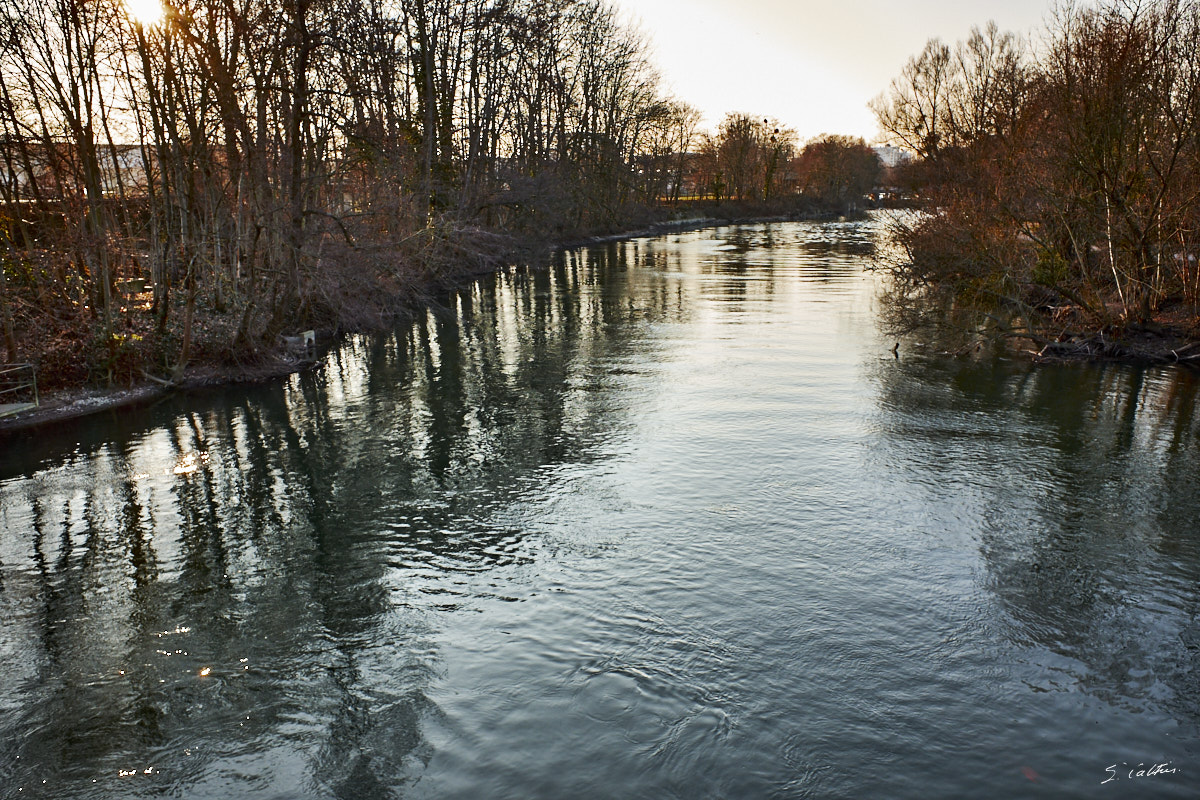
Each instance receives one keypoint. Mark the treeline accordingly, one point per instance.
(1061, 176)
(193, 185)
(264, 160)
(751, 160)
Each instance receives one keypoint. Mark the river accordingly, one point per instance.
(664, 519)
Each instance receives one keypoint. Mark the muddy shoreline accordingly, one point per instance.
(1156, 346)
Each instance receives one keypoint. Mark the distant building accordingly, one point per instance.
(892, 157)
(55, 169)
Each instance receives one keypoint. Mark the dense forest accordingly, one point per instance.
(1061, 177)
(187, 183)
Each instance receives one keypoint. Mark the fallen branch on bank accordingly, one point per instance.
(169, 384)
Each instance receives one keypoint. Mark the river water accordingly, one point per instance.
(664, 519)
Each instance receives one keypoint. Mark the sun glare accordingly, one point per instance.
(146, 12)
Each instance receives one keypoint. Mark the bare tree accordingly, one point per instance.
(837, 170)
(1069, 181)
(917, 111)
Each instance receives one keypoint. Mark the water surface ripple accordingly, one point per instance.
(665, 519)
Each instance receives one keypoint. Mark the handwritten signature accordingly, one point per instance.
(1140, 771)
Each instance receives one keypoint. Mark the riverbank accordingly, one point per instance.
(975, 288)
(1165, 341)
(71, 403)
(1170, 337)
(1151, 343)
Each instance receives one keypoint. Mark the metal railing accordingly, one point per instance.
(18, 388)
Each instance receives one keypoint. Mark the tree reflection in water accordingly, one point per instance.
(1083, 479)
(295, 543)
(671, 499)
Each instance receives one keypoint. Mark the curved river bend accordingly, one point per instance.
(663, 520)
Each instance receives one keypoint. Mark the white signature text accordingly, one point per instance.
(1115, 773)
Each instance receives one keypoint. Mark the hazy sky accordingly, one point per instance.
(814, 65)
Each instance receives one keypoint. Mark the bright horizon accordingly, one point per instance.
(814, 66)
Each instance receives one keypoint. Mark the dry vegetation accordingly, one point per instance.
(1062, 179)
(190, 189)
(270, 166)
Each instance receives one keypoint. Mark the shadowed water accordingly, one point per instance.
(665, 519)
